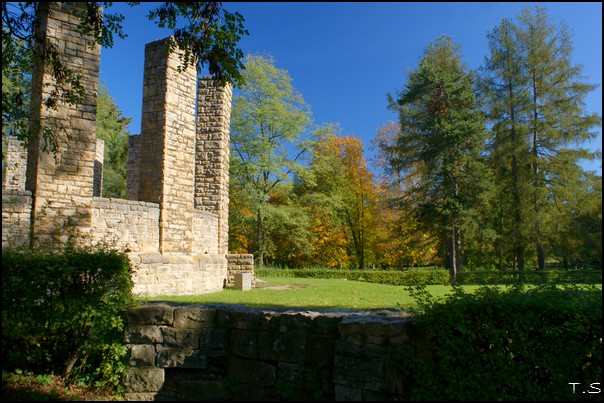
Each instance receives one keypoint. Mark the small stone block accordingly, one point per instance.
(243, 281)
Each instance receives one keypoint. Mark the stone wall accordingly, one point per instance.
(240, 263)
(174, 224)
(126, 224)
(16, 217)
(229, 352)
(15, 165)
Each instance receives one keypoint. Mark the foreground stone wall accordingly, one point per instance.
(230, 352)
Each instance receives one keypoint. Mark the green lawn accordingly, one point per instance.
(307, 293)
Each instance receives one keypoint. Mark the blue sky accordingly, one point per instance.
(345, 57)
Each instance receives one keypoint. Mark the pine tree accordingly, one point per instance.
(442, 135)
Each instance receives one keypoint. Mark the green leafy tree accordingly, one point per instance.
(442, 136)
(208, 39)
(112, 127)
(404, 242)
(340, 187)
(269, 122)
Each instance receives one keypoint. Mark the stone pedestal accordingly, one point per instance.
(243, 281)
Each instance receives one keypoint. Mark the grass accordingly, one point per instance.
(314, 293)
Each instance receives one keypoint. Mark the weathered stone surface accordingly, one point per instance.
(361, 373)
(141, 355)
(202, 390)
(252, 372)
(139, 334)
(196, 317)
(169, 357)
(140, 397)
(143, 380)
(279, 346)
(152, 315)
(244, 343)
(254, 354)
(181, 337)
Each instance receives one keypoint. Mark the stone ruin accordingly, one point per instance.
(174, 222)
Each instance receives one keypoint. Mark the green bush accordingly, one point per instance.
(433, 276)
(519, 343)
(63, 312)
(407, 277)
(478, 276)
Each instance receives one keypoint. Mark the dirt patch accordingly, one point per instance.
(286, 286)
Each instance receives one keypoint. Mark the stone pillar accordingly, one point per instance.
(59, 181)
(212, 159)
(167, 144)
(16, 165)
(133, 170)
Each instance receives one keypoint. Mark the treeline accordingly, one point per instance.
(481, 170)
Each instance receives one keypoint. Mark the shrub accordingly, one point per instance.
(478, 276)
(520, 343)
(63, 312)
(407, 277)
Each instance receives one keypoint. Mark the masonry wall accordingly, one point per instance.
(239, 263)
(126, 224)
(174, 225)
(225, 352)
(16, 217)
(15, 165)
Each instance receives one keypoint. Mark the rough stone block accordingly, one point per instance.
(243, 281)
(143, 380)
(142, 355)
(181, 358)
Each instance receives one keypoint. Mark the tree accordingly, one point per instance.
(535, 96)
(342, 190)
(504, 91)
(556, 116)
(112, 128)
(404, 243)
(268, 124)
(208, 40)
(442, 136)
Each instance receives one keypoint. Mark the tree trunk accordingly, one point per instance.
(451, 259)
(260, 239)
(536, 182)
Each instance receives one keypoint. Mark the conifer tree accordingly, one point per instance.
(442, 135)
(536, 105)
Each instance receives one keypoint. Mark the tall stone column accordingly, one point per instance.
(60, 181)
(167, 144)
(212, 162)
